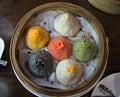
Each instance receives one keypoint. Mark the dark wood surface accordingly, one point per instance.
(11, 11)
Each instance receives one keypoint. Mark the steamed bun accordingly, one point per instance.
(66, 24)
(69, 72)
(36, 37)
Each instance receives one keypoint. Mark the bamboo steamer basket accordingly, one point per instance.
(108, 6)
(80, 89)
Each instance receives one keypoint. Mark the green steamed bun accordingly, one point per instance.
(84, 50)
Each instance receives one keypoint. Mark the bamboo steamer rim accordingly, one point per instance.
(75, 9)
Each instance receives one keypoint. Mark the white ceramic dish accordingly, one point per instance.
(2, 46)
(112, 82)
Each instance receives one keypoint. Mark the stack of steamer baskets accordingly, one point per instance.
(91, 74)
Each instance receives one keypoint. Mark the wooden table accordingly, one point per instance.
(11, 11)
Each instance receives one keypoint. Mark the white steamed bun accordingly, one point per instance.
(66, 24)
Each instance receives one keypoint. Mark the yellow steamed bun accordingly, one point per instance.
(36, 37)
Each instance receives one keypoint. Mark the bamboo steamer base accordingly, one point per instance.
(77, 10)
